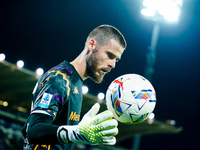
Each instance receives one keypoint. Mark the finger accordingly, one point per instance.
(109, 140)
(93, 111)
(108, 132)
(103, 116)
(108, 124)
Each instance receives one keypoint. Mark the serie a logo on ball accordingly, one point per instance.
(131, 98)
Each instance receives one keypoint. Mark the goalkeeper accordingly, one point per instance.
(54, 122)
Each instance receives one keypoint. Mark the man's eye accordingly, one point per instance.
(111, 56)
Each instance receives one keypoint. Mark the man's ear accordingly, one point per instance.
(92, 44)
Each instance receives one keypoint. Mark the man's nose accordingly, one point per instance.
(112, 63)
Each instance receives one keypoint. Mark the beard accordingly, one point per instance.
(92, 63)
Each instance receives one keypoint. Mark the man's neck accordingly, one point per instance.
(80, 65)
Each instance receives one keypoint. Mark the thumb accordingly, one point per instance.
(93, 111)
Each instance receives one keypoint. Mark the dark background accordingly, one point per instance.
(45, 32)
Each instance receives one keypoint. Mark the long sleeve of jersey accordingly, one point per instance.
(41, 130)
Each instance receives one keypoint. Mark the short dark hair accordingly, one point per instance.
(104, 33)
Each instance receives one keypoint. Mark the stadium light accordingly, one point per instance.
(2, 57)
(101, 96)
(158, 10)
(152, 116)
(39, 71)
(85, 89)
(5, 104)
(20, 64)
(171, 122)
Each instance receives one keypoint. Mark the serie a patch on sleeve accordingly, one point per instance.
(45, 101)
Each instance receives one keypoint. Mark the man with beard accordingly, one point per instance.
(54, 122)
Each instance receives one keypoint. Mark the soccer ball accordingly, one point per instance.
(131, 98)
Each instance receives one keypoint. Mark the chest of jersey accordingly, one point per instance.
(71, 110)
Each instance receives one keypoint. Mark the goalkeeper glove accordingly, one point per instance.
(92, 129)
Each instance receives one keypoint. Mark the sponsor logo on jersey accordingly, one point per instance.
(73, 116)
(44, 147)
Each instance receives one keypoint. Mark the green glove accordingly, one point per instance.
(92, 129)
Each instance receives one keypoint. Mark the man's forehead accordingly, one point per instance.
(117, 47)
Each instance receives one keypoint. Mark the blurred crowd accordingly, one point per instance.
(11, 137)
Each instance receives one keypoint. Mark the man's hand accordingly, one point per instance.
(92, 129)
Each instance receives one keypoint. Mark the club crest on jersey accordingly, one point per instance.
(76, 90)
(45, 101)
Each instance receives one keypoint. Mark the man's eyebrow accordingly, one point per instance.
(113, 55)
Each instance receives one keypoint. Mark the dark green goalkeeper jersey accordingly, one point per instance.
(57, 100)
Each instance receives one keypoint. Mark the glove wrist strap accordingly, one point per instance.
(62, 134)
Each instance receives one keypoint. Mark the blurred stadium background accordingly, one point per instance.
(44, 33)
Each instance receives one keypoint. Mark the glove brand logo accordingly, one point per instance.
(79, 137)
(74, 116)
